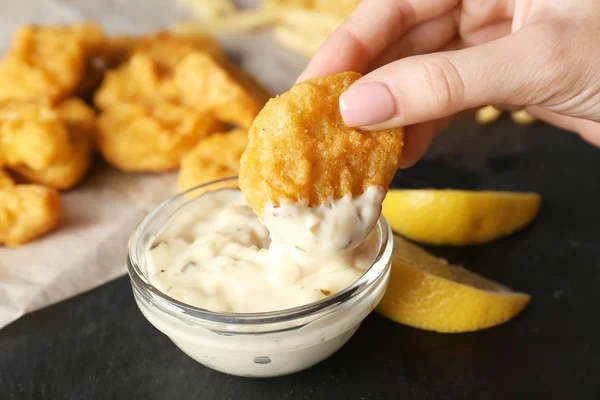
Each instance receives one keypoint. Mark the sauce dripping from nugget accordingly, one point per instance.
(315, 182)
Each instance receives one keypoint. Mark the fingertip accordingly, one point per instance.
(407, 163)
(302, 77)
(367, 105)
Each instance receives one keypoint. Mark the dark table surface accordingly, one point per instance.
(99, 346)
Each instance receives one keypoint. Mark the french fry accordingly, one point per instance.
(305, 44)
(209, 8)
(242, 22)
(487, 115)
(300, 19)
(522, 117)
(341, 8)
(299, 25)
(306, 4)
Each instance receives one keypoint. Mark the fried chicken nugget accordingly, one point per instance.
(31, 134)
(215, 157)
(141, 80)
(220, 87)
(137, 137)
(49, 62)
(144, 126)
(300, 149)
(26, 211)
(71, 123)
(163, 46)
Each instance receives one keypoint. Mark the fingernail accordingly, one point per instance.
(367, 104)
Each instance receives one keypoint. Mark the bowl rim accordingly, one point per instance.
(186, 311)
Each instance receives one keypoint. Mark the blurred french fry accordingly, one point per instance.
(303, 43)
(307, 4)
(522, 117)
(487, 115)
(299, 25)
(341, 8)
(241, 22)
(300, 19)
(209, 8)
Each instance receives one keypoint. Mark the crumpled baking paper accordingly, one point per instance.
(89, 247)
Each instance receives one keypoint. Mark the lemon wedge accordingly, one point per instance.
(428, 293)
(458, 217)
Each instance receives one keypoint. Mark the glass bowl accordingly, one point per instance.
(254, 344)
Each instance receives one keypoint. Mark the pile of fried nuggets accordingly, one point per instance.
(159, 102)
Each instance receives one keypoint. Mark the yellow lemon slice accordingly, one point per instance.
(457, 217)
(428, 293)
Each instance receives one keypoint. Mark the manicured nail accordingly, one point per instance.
(367, 104)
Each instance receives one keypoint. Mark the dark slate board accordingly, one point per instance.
(99, 346)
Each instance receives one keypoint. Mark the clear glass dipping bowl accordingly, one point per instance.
(254, 344)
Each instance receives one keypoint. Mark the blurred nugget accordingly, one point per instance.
(49, 145)
(141, 80)
(26, 211)
(220, 87)
(138, 137)
(168, 48)
(216, 157)
(301, 150)
(51, 62)
(31, 134)
(143, 125)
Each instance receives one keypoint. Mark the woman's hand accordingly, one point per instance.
(426, 60)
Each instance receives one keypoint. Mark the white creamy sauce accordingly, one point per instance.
(328, 228)
(216, 255)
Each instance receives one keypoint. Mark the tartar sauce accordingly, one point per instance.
(216, 255)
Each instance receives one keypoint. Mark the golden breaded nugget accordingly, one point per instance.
(71, 162)
(199, 81)
(79, 118)
(144, 125)
(215, 157)
(48, 62)
(140, 80)
(64, 173)
(31, 134)
(142, 138)
(163, 47)
(26, 211)
(170, 49)
(300, 149)
(26, 83)
(220, 87)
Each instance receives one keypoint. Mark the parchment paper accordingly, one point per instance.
(89, 247)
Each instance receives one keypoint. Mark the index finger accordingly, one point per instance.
(371, 28)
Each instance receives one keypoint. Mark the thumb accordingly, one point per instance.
(519, 69)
